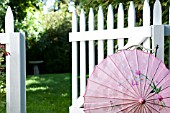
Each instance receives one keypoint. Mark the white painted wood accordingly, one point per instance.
(158, 39)
(15, 67)
(146, 21)
(76, 107)
(100, 28)
(158, 30)
(110, 25)
(111, 34)
(9, 21)
(157, 13)
(131, 24)
(91, 43)
(74, 60)
(82, 54)
(131, 15)
(15, 74)
(3, 38)
(120, 24)
(166, 30)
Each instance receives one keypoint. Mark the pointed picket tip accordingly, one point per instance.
(100, 18)
(110, 11)
(147, 1)
(132, 4)
(120, 7)
(9, 21)
(91, 20)
(131, 10)
(131, 15)
(74, 21)
(110, 8)
(146, 14)
(91, 14)
(110, 17)
(74, 13)
(120, 22)
(100, 9)
(82, 20)
(157, 13)
(91, 11)
(100, 12)
(120, 11)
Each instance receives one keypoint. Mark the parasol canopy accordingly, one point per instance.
(130, 81)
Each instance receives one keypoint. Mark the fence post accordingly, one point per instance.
(15, 68)
(158, 30)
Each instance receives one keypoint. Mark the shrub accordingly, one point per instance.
(50, 43)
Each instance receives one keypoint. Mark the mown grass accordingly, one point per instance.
(50, 93)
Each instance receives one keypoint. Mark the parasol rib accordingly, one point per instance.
(146, 93)
(122, 75)
(113, 89)
(130, 69)
(115, 80)
(111, 98)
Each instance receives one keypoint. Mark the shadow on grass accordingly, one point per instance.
(48, 93)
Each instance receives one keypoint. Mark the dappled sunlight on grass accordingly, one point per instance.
(49, 93)
(32, 81)
(37, 88)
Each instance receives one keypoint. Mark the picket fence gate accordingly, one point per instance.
(15, 66)
(136, 35)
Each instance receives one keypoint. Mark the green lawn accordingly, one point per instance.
(50, 93)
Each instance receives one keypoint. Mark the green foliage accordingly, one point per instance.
(47, 39)
(3, 8)
(2, 80)
(54, 42)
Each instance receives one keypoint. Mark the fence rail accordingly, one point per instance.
(148, 35)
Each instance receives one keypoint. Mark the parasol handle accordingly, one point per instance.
(154, 50)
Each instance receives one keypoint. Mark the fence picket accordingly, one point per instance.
(131, 24)
(74, 60)
(110, 25)
(82, 54)
(157, 13)
(9, 21)
(146, 21)
(100, 42)
(158, 37)
(91, 43)
(120, 24)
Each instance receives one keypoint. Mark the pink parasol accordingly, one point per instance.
(130, 81)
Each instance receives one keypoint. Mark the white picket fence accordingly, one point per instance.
(135, 35)
(15, 66)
